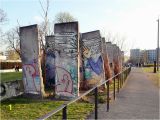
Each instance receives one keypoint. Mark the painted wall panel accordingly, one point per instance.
(66, 59)
(109, 50)
(108, 73)
(50, 61)
(92, 56)
(10, 89)
(116, 59)
(30, 63)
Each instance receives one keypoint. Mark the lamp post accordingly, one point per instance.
(158, 47)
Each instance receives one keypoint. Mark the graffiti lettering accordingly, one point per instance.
(66, 64)
(67, 43)
(93, 62)
(31, 81)
(64, 81)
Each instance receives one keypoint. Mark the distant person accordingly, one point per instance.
(17, 68)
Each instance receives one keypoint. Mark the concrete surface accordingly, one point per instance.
(138, 99)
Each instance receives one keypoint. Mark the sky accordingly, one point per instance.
(133, 20)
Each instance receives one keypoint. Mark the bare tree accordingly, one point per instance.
(3, 16)
(116, 39)
(62, 17)
(12, 37)
(13, 40)
(44, 25)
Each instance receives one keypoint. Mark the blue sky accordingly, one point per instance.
(134, 20)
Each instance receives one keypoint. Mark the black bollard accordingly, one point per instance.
(154, 67)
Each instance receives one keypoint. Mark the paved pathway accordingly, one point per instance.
(9, 70)
(138, 99)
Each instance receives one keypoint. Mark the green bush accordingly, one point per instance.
(9, 65)
(101, 99)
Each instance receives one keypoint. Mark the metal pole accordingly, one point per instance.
(154, 71)
(118, 83)
(120, 80)
(64, 113)
(158, 47)
(96, 103)
(107, 96)
(114, 88)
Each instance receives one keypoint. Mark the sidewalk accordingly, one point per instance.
(138, 99)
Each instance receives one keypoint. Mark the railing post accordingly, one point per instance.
(120, 80)
(64, 113)
(118, 84)
(126, 74)
(123, 77)
(108, 96)
(96, 102)
(114, 87)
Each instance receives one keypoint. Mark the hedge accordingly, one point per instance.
(9, 65)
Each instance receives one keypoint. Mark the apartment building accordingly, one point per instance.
(143, 56)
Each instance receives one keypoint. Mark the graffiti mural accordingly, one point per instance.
(109, 50)
(30, 62)
(107, 69)
(92, 55)
(31, 77)
(66, 54)
(116, 59)
(10, 89)
(50, 61)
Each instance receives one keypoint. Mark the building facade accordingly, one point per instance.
(135, 56)
(151, 56)
(143, 56)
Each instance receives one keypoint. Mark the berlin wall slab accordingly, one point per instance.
(11, 89)
(50, 61)
(116, 58)
(106, 60)
(29, 45)
(67, 59)
(92, 56)
(109, 50)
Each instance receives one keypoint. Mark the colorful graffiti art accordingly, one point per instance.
(92, 55)
(66, 65)
(30, 51)
(50, 61)
(11, 89)
(31, 77)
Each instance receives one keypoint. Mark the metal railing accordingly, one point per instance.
(121, 77)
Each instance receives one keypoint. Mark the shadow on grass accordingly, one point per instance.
(22, 100)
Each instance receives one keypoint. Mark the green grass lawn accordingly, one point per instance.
(23, 108)
(148, 69)
(155, 77)
(11, 76)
